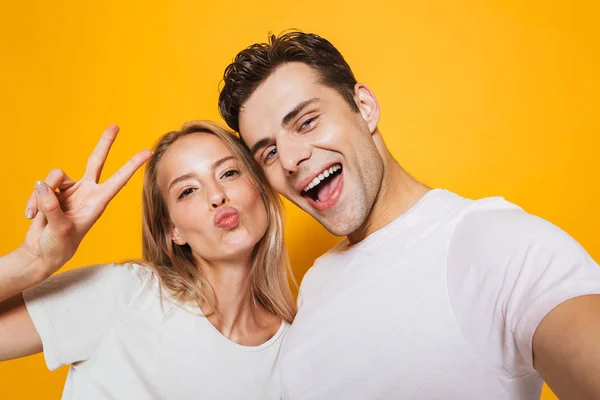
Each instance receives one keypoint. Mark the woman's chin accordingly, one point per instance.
(240, 241)
(237, 249)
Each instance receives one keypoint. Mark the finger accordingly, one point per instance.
(98, 157)
(116, 182)
(34, 233)
(49, 205)
(38, 223)
(56, 179)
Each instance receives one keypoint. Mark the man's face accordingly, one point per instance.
(315, 150)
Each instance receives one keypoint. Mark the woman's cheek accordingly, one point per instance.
(187, 215)
(239, 195)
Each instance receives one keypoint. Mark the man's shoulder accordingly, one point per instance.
(502, 236)
(497, 222)
(324, 262)
(439, 208)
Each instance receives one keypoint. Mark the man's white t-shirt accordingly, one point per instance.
(124, 342)
(441, 303)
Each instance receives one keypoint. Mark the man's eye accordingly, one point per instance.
(272, 153)
(308, 123)
(186, 193)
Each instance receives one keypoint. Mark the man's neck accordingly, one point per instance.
(397, 194)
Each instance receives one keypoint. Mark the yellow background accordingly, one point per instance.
(481, 97)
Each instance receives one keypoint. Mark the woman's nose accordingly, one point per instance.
(218, 203)
(217, 197)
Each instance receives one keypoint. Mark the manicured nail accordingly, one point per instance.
(29, 213)
(40, 187)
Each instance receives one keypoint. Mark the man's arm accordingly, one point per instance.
(566, 348)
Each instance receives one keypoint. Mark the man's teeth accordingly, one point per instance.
(322, 175)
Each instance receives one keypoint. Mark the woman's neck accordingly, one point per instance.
(238, 316)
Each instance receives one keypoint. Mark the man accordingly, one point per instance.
(431, 295)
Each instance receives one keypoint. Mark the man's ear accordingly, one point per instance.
(367, 105)
(176, 236)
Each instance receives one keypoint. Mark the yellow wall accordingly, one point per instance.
(482, 97)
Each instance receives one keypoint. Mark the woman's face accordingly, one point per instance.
(212, 203)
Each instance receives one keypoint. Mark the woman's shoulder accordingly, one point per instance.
(123, 279)
(100, 287)
(127, 273)
(136, 271)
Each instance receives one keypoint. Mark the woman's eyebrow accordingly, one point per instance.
(190, 175)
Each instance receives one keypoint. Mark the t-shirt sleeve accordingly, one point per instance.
(74, 310)
(506, 270)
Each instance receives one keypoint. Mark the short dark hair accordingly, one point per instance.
(253, 65)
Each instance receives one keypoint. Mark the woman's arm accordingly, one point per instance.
(18, 337)
(22, 269)
(60, 222)
(19, 270)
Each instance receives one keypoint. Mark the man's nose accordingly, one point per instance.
(292, 153)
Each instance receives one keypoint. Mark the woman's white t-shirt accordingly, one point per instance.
(124, 342)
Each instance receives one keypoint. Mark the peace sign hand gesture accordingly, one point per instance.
(61, 220)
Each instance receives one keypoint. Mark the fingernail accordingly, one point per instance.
(29, 213)
(40, 187)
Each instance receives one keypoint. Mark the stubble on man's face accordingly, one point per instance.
(325, 143)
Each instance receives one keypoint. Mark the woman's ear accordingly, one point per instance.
(176, 236)
(367, 105)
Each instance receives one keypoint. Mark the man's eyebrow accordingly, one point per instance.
(285, 121)
(184, 177)
(259, 145)
(297, 110)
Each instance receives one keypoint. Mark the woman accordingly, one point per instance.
(202, 316)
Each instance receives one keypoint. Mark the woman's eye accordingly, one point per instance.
(231, 173)
(186, 193)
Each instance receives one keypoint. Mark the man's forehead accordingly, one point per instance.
(276, 96)
(284, 88)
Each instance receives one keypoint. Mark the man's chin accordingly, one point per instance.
(338, 225)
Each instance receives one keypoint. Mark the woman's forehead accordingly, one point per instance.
(193, 153)
(198, 147)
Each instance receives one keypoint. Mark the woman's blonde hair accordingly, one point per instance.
(177, 269)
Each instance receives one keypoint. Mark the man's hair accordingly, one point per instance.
(253, 65)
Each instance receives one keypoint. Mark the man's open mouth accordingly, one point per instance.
(323, 185)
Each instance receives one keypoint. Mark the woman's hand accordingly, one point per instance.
(61, 220)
